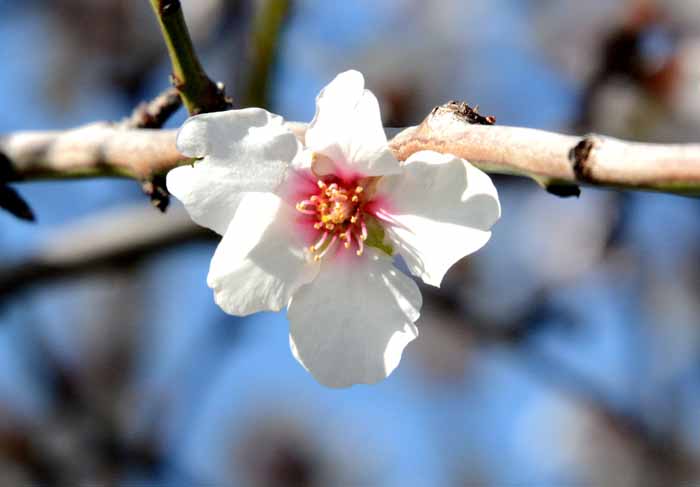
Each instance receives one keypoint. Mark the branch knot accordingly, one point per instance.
(464, 112)
(579, 156)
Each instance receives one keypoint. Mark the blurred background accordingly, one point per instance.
(566, 352)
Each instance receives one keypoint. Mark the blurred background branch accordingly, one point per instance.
(268, 23)
(108, 240)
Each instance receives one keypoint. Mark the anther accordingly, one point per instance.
(355, 199)
(328, 247)
(320, 242)
(302, 208)
(360, 245)
(359, 189)
(321, 184)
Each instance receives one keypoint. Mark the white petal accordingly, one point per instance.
(445, 207)
(351, 324)
(241, 150)
(348, 129)
(262, 258)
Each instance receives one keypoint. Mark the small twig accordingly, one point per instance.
(199, 93)
(154, 114)
(157, 190)
(12, 202)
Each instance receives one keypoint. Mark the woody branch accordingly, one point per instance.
(558, 162)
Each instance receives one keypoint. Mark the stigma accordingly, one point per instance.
(335, 211)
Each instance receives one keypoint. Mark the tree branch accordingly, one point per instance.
(554, 160)
(115, 238)
(154, 114)
(268, 24)
(199, 93)
(126, 236)
(95, 150)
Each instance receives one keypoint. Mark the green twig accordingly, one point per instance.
(198, 92)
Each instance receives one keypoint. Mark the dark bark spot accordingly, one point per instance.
(579, 158)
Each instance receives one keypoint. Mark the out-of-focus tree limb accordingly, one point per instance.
(128, 235)
(559, 162)
(199, 93)
(116, 238)
(268, 24)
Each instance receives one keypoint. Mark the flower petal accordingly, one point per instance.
(241, 150)
(351, 324)
(261, 260)
(444, 208)
(347, 128)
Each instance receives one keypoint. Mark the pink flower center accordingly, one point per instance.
(336, 212)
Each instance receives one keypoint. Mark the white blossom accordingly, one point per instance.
(315, 226)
